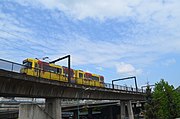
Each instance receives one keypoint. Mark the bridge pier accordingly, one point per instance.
(32, 111)
(110, 112)
(75, 116)
(123, 114)
(90, 113)
(129, 109)
(53, 107)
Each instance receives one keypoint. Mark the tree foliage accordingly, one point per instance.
(149, 106)
(164, 103)
(178, 89)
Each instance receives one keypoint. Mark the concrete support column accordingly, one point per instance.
(32, 111)
(123, 114)
(118, 116)
(53, 107)
(142, 106)
(135, 108)
(75, 116)
(90, 115)
(110, 112)
(130, 111)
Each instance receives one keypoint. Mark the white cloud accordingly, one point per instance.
(85, 8)
(99, 68)
(85, 51)
(10, 27)
(109, 54)
(143, 51)
(163, 12)
(127, 69)
(99, 8)
(105, 53)
(169, 62)
(44, 4)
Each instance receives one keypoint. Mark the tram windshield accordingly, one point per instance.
(27, 64)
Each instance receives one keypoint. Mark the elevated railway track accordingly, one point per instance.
(14, 83)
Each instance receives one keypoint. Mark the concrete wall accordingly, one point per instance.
(32, 111)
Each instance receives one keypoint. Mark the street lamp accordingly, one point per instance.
(78, 96)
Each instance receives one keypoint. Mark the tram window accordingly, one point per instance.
(36, 67)
(45, 67)
(72, 73)
(88, 76)
(27, 64)
(66, 72)
(95, 78)
(49, 69)
(52, 69)
(80, 75)
(59, 70)
(102, 79)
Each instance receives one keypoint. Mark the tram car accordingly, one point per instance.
(38, 68)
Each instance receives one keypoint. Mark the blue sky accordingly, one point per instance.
(114, 38)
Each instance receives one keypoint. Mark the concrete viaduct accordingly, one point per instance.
(20, 85)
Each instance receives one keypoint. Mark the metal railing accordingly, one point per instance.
(37, 72)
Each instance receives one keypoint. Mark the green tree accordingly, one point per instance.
(178, 89)
(177, 100)
(149, 105)
(166, 101)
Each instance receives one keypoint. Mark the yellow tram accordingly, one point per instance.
(35, 67)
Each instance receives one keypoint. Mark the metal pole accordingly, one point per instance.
(12, 66)
(136, 84)
(113, 84)
(69, 69)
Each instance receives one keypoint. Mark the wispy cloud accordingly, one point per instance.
(127, 69)
(157, 10)
(127, 36)
(169, 62)
(99, 68)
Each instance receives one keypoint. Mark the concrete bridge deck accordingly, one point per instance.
(15, 84)
(21, 85)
